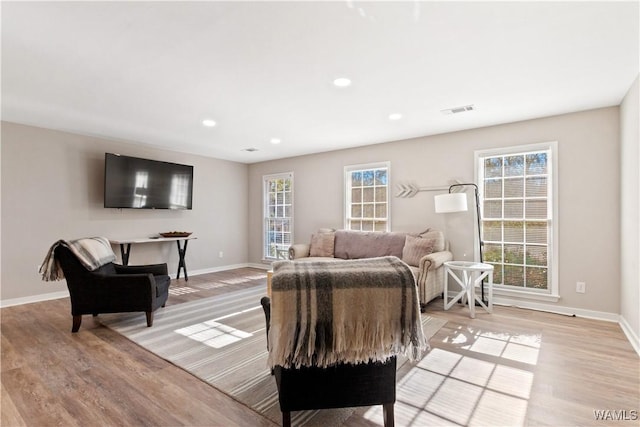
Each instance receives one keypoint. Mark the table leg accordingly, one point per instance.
(487, 305)
(446, 285)
(181, 263)
(471, 293)
(491, 291)
(124, 253)
(460, 295)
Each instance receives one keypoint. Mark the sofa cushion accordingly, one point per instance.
(322, 244)
(415, 247)
(368, 244)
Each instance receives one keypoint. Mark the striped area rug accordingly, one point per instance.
(222, 341)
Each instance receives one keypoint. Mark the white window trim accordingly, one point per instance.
(266, 178)
(552, 294)
(346, 186)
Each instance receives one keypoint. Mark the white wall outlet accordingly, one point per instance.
(581, 287)
(220, 254)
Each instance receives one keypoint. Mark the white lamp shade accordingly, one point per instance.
(452, 202)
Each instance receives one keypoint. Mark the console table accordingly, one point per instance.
(125, 249)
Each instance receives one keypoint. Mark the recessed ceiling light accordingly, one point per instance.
(395, 116)
(342, 82)
(275, 140)
(208, 123)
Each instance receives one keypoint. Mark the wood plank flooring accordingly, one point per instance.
(560, 369)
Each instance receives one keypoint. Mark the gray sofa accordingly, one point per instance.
(424, 252)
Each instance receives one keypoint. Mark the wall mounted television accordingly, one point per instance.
(132, 182)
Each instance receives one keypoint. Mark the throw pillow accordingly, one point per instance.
(415, 248)
(322, 244)
(437, 237)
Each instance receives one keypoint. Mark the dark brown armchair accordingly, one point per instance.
(113, 288)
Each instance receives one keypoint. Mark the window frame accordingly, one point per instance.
(266, 179)
(348, 170)
(552, 291)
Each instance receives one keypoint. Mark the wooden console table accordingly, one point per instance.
(125, 249)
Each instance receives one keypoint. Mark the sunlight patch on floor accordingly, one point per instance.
(213, 334)
(484, 381)
(182, 290)
(244, 279)
(209, 286)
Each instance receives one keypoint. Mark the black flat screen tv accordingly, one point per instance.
(132, 182)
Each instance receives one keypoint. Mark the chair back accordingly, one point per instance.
(74, 272)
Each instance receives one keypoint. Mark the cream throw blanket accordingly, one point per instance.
(93, 252)
(351, 311)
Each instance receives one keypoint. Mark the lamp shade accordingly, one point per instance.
(452, 202)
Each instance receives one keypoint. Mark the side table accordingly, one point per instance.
(469, 275)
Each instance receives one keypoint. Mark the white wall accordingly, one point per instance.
(589, 198)
(630, 214)
(52, 188)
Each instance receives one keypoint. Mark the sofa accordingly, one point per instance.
(424, 252)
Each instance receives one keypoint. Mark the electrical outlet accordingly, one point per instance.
(220, 254)
(581, 287)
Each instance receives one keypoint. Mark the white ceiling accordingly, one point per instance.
(150, 72)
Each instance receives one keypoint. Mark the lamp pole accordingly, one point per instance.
(480, 242)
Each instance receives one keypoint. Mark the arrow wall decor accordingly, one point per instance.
(407, 190)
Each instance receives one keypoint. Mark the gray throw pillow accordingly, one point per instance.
(322, 244)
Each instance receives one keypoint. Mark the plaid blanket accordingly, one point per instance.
(93, 252)
(351, 311)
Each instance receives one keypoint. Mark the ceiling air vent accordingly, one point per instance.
(456, 110)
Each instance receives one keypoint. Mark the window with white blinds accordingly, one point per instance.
(278, 215)
(516, 188)
(367, 197)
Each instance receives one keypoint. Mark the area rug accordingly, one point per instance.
(222, 341)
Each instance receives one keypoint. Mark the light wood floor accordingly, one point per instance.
(532, 367)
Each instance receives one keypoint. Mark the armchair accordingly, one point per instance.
(112, 288)
(338, 386)
(334, 329)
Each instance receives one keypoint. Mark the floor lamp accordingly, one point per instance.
(457, 202)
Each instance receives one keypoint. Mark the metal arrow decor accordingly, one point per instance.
(407, 190)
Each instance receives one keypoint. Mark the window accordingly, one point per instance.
(367, 197)
(517, 188)
(278, 215)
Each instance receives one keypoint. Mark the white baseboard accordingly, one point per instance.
(631, 335)
(34, 298)
(552, 308)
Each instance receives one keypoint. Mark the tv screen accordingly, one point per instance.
(131, 182)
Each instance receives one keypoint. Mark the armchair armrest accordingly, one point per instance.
(155, 269)
(435, 260)
(299, 250)
(128, 289)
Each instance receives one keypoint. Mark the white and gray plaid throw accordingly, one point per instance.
(93, 252)
(353, 311)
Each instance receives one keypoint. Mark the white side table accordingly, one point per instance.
(470, 274)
